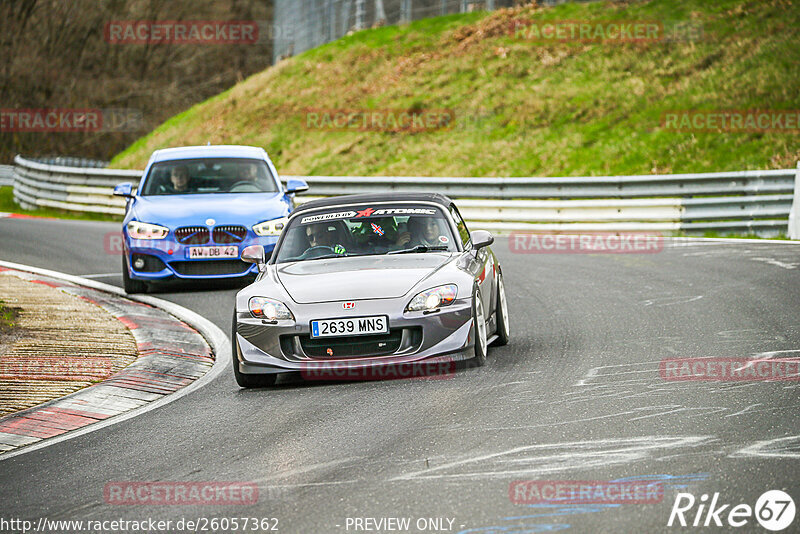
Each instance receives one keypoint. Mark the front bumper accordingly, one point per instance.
(167, 259)
(444, 336)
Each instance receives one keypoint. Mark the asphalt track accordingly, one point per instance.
(576, 395)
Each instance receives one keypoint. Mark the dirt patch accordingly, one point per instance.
(59, 344)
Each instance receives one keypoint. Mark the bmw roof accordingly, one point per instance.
(437, 198)
(210, 151)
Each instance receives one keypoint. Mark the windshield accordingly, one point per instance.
(209, 175)
(366, 230)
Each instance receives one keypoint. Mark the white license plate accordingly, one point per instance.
(350, 326)
(213, 252)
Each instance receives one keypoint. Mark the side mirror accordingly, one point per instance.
(296, 186)
(481, 238)
(123, 190)
(254, 254)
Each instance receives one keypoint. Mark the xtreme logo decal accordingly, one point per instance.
(368, 212)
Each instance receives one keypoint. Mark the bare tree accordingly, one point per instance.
(54, 54)
(380, 13)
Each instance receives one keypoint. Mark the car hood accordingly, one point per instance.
(224, 208)
(365, 277)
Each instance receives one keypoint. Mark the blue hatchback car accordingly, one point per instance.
(196, 208)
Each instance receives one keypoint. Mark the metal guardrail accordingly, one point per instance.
(304, 24)
(757, 202)
(6, 175)
(71, 161)
(88, 190)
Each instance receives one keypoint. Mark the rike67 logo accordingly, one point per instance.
(774, 510)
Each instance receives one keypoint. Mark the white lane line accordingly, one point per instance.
(771, 353)
(788, 447)
(215, 337)
(670, 301)
(777, 263)
(740, 412)
(677, 241)
(100, 275)
(554, 457)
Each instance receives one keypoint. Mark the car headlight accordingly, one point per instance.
(273, 227)
(264, 308)
(430, 299)
(140, 230)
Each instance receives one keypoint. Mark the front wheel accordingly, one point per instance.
(245, 380)
(130, 285)
(479, 318)
(501, 314)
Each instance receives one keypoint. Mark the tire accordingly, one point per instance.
(131, 286)
(501, 314)
(481, 334)
(245, 380)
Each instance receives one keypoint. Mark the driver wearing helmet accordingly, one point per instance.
(323, 235)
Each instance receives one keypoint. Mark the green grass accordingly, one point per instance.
(8, 205)
(780, 237)
(521, 108)
(8, 317)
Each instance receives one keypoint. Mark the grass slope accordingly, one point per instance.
(522, 108)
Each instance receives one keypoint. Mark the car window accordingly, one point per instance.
(466, 240)
(209, 175)
(366, 230)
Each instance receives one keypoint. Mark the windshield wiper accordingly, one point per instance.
(419, 248)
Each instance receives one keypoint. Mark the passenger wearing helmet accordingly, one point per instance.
(380, 231)
(421, 231)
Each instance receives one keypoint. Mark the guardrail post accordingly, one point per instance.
(360, 14)
(794, 214)
(405, 11)
(380, 13)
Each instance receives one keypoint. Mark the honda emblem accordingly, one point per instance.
(349, 305)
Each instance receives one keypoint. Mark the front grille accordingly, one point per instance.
(229, 234)
(192, 235)
(209, 267)
(352, 346)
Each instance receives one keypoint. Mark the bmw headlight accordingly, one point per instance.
(273, 227)
(271, 309)
(430, 299)
(140, 230)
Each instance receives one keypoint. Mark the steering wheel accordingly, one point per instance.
(253, 187)
(315, 251)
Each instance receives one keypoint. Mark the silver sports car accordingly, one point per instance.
(363, 282)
